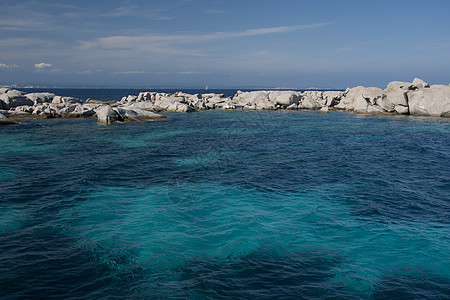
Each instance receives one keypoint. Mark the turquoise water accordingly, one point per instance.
(221, 204)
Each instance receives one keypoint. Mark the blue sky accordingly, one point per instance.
(224, 43)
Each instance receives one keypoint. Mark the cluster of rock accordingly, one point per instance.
(272, 100)
(177, 102)
(416, 98)
(16, 104)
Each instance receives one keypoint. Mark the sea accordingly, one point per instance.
(225, 205)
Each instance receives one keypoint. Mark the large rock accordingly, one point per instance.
(331, 98)
(137, 115)
(165, 101)
(66, 100)
(146, 96)
(198, 104)
(392, 99)
(310, 101)
(284, 98)
(106, 115)
(145, 105)
(179, 107)
(256, 100)
(433, 101)
(419, 84)
(248, 98)
(12, 99)
(85, 110)
(398, 86)
(173, 103)
(359, 99)
(39, 98)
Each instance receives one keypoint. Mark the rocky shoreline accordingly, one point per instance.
(416, 98)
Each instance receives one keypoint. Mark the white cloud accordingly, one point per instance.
(42, 66)
(6, 66)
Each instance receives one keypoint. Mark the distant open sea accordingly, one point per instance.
(117, 94)
(225, 205)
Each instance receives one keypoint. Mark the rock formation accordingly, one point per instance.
(416, 98)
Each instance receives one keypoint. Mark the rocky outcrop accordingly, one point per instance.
(108, 115)
(432, 101)
(416, 98)
(66, 100)
(361, 99)
(177, 102)
(12, 98)
(270, 100)
(39, 98)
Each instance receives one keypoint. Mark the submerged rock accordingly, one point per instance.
(6, 121)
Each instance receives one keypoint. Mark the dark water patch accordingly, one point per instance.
(42, 263)
(412, 284)
(263, 275)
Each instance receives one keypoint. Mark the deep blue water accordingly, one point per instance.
(219, 205)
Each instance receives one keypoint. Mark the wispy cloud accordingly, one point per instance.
(6, 66)
(214, 11)
(141, 42)
(159, 73)
(192, 73)
(137, 72)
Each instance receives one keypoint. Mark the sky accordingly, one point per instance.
(224, 43)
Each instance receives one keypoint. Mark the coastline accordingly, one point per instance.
(404, 98)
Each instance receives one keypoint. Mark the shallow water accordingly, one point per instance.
(221, 204)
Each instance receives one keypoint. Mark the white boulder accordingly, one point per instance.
(66, 100)
(136, 115)
(39, 98)
(433, 101)
(12, 99)
(360, 98)
(146, 105)
(106, 115)
(284, 98)
(420, 84)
